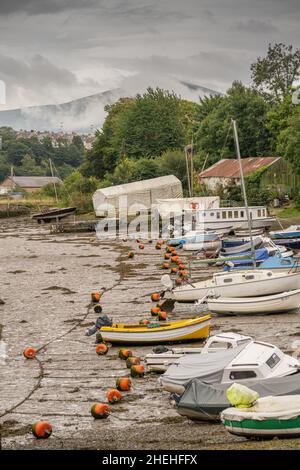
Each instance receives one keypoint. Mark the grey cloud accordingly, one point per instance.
(35, 7)
(255, 26)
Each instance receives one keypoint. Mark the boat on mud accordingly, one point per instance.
(268, 417)
(53, 215)
(251, 283)
(156, 333)
(162, 357)
(278, 303)
(252, 361)
(205, 402)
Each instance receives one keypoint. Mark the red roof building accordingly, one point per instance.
(227, 171)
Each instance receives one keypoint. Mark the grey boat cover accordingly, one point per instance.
(206, 401)
(205, 367)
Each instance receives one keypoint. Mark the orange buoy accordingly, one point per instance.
(133, 361)
(42, 429)
(137, 371)
(155, 297)
(144, 321)
(101, 349)
(113, 396)
(179, 281)
(130, 254)
(183, 273)
(174, 270)
(125, 353)
(96, 296)
(166, 265)
(174, 252)
(181, 266)
(167, 256)
(155, 311)
(100, 410)
(162, 316)
(29, 353)
(174, 258)
(141, 246)
(157, 246)
(178, 262)
(123, 384)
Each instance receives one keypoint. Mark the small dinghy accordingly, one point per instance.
(55, 214)
(277, 303)
(205, 402)
(203, 246)
(268, 417)
(252, 361)
(232, 246)
(156, 333)
(162, 357)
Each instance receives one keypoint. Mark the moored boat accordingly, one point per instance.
(55, 214)
(161, 358)
(181, 330)
(278, 303)
(268, 417)
(254, 283)
(251, 361)
(205, 402)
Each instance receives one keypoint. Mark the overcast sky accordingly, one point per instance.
(53, 51)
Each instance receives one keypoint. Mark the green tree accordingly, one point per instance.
(275, 74)
(288, 144)
(249, 109)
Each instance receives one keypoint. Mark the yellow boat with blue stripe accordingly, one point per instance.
(168, 332)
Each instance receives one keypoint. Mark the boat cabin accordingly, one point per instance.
(224, 279)
(259, 360)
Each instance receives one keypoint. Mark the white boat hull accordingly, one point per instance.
(205, 246)
(282, 282)
(283, 302)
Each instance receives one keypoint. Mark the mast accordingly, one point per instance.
(55, 190)
(188, 170)
(237, 148)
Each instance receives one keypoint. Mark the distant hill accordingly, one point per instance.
(85, 113)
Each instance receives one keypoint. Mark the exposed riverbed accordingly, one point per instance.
(45, 284)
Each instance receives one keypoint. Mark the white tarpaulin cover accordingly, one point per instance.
(145, 192)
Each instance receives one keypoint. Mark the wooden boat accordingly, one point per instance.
(249, 361)
(267, 418)
(51, 215)
(278, 303)
(181, 330)
(291, 232)
(251, 283)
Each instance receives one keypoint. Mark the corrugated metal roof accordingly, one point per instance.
(34, 181)
(229, 168)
